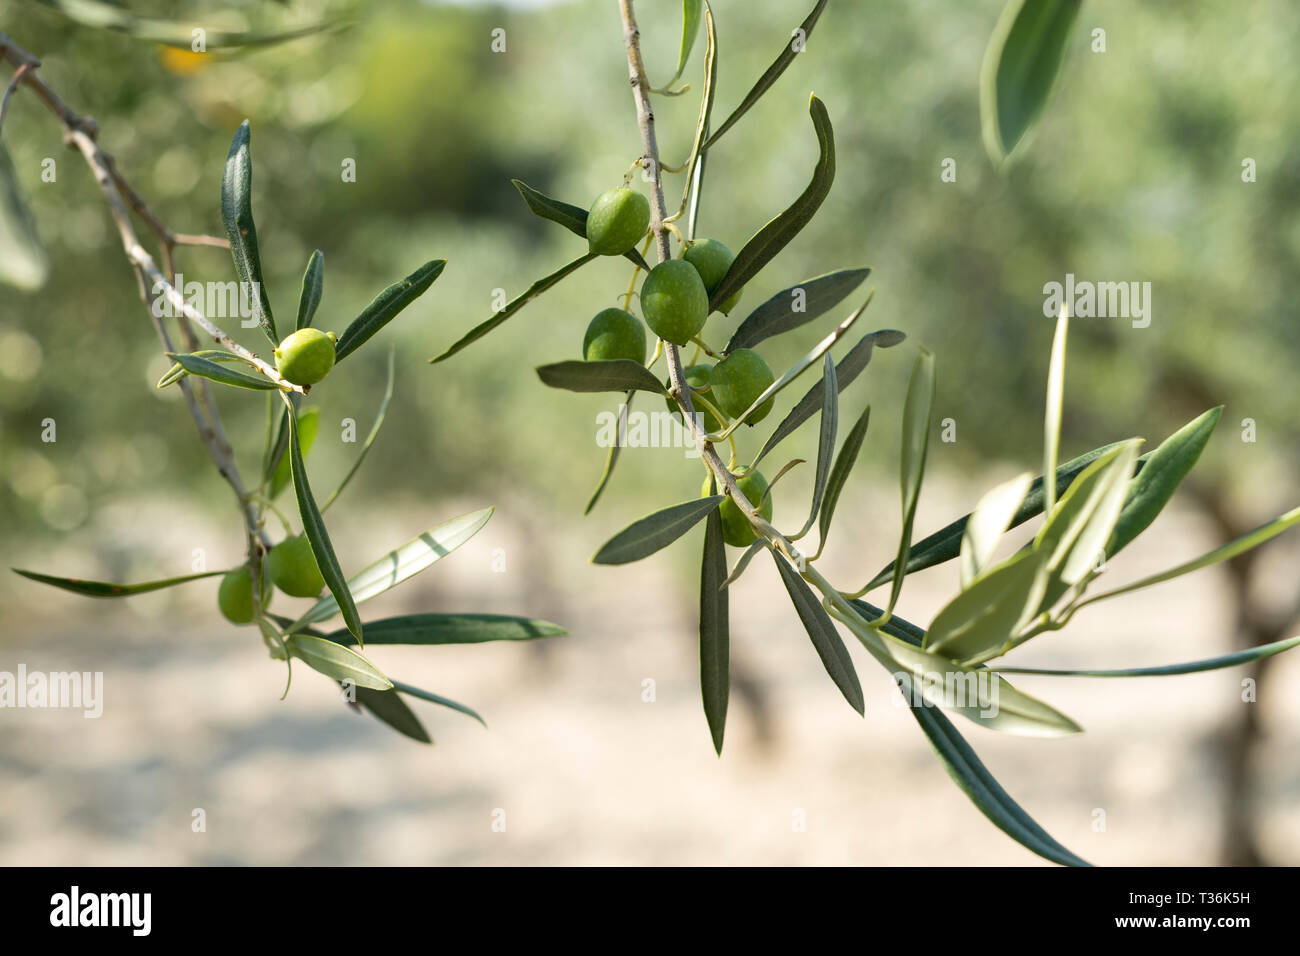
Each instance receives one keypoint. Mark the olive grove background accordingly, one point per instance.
(1136, 174)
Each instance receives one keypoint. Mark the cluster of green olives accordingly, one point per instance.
(675, 302)
(289, 566)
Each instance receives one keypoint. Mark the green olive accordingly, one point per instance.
(738, 380)
(712, 259)
(614, 334)
(674, 301)
(235, 595)
(697, 377)
(306, 356)
(736, 529)
(617, 220)
(293, 568)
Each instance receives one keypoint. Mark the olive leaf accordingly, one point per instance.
(825, 442)
(237, 214)
(104, 589)
(196, 364)
(386, 306)
(455, 628)
(370, 437)
(974, 779)
(1052, 414)
(988, 522)
(1168, 670)
(439, 700)
(799, 367)
(715, 628)
(1228, 551)
(388, 706)
(846, 370)
(690, 30)
(513, 306)
(614, 375)
(917, 414)
(772, 238)
(1020, 66)
(813, 297)
(178, 371)
(839, 475)
(989, 612)
(821, 630)
(23, 262)
(313, 526)
(571, 217)
(336, 661)
(1155, 484)
(1076, 530)
(945, 544)
(765, 82)
(308, 427)
(611, 457)
(402, 563)
(647, 535)
(743, 561)
(313, 287)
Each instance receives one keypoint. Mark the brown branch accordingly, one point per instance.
(679, 389)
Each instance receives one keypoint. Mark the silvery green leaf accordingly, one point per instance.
(987, 523)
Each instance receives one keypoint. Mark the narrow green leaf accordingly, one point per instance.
(402, 563)
(715, 629)
(690, 30)
(772, 238)
(386, 306)
(615, 375)
(846, 370)
(178, 372)
(1155, 484)
(443, 628)
(825, 639)
(980, 786)
(388, 706)
(308, 427)
(104, 589)
(23, 261)
(533, 291)
(986, 615)
(314, 527)
(839, 475)
(336, 661)
(1230, 550)
(278, 446)
(773, 72)
(796, 306)
(945, 544)
(825, 442)
(1168, 670)
(370, 438)
(644, 537)
(1020, 66)
(1074, 533)
(987, 523)
(571, 217)
(237, 214)
(313, 287)
(206, 368)
(917, 416)
(743, 562)
(1052, 415)
(611, 457)
(439, 700)
(799, 367)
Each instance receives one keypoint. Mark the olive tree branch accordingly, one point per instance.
(679, 388)
(80, 133)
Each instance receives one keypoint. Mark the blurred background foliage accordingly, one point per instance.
(1135, 174)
